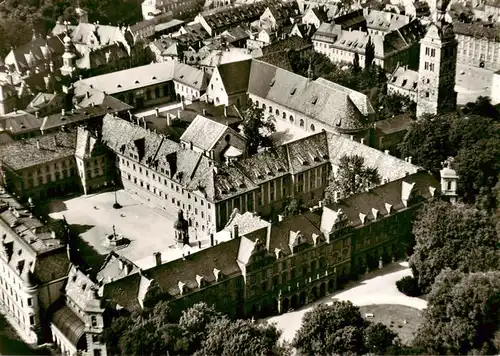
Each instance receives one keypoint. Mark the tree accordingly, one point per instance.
(462, 316)
(482, 107)
(292, 208)
(454, 236)
(257, 128)
(409, 286)
(355, 63)
(352, 177)
(242, 337)
(194, 322)
(329, 329)
(427, 142)
(379, 338)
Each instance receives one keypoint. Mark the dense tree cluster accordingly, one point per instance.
(339, 329)
(458, 236)
(351, 177)
(200, 330)
(463, 315)
(474, 141)
(18, 18)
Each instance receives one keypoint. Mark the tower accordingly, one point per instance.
(437, 66)
(181, 227)
(68, 67)
(449, 179)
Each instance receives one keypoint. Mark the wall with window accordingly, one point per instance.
(185, 92)
(478, 52)
(216, 92)
(310, 185)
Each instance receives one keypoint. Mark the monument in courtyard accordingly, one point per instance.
(181, 227)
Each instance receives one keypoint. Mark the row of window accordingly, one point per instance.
(15, 311)
(31, 183)
(284, 115)
(58, 166)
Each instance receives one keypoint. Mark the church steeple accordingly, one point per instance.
(437, 67)
(68, 67)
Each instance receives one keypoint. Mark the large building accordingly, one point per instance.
(33, 268)
(269, 268)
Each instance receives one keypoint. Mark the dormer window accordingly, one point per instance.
(136, 82)
(272, 83)
(315, 100)
(293, 91)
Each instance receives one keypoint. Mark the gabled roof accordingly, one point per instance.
(378, 197)
(328, 105)
(389, 167)
(204, 133)
(280, 233)
(191, 76)
(404, 78)
(383, 20)
(234, 76)
(19, 122)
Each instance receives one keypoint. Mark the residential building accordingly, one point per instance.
(315, 16)
(34, 266)
(149, 85)
(478, 45)
(218, 57)
(153, 8)
(382, 22)
(403, 81)
(8, 98)
(229, 84)
(437, 67)
(385, 49)
(143, 30)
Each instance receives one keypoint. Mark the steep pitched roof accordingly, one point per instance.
(19, 122)
(191, 76)
(203, 132)
(19, 155)
(378, 197)
(280, 233)
(389, 167)
(235, 76)
(404, 78)
(313, 99)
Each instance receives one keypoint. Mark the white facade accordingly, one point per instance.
(495, 88)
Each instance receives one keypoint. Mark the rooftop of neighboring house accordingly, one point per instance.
(314, 99)
(167, 25)
(352, 19)
(217, 57)
(384, 21)
(383, 200)
(229, 115)
(19, 122)
(476, 30)
(144, 76)
(404, 78)
(235, 76)
(38, 150)
(84, 33)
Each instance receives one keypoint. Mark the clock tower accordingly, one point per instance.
(437, 66)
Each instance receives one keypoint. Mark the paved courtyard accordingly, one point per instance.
(474, 82)
(378, 289)
(148, 229)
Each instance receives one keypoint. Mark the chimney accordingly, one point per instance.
(38, 144)
(179, 114)
(157, 112)
(80, 77)
(225, 111)
(409, 159)
(362, 141)
(131, 118)
(280, 218)
(236, 231)
(37, 114)
(169, 120)
(205, 112)
(211, 239)
(157, 256)
(386, 152)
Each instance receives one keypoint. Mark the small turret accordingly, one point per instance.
(449, 179)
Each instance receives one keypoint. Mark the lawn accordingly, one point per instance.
(393, 316)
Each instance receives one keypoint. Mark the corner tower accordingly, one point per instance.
(68, 57)
(437, 66)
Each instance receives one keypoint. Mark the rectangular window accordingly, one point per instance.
(30, 302)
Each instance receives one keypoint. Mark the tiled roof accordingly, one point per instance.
(115, 267)
(247, 223)
(76, 116)
(85, 143)
(169, 24)
(384, 21)
(19, 122)
(360, 100)
(235, 76)
(313, 99)
(476, 30)
(389, 167)
(42, 100)
(23, 154)
(69, 324)
(281, 231)
(378, 197)
(82, 290)
(265, 165)
(221, 56)
(404, 78)
(102, 56)
(128, 79)
(142, 25)
(36, 51)
(105, 34)
(307, 152)
(124, 292)
(191, 76)
(215, 113)
(204, 133)
(51, 265)
(98, 98)
(351, 19)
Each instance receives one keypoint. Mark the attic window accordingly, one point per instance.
(182, 76)
(272, 83)
(293, 91)
(136, 82)
(118, 85)
(394, 79)
(63, 118)
(404, 82)
(154, 78)
(315, 100)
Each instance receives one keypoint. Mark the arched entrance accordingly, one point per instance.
(285, 305)
(331, 286)
(314, 293)
(322, 290)
(302, 298)
(178, 97)
(294, 301)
